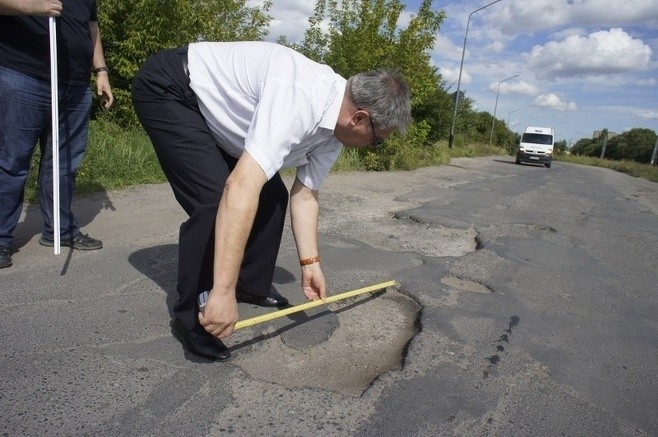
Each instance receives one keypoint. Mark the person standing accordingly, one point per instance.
(25, 109)
(224, 118)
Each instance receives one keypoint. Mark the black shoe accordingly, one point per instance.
(274, 299)
(202, 344)
(80, 242)
(5, 256)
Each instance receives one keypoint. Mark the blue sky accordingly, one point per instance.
(582, 65)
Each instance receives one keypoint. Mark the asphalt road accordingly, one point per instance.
(527, 305)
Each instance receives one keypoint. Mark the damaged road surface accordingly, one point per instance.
(526, 305)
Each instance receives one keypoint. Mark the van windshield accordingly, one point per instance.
(537, 138)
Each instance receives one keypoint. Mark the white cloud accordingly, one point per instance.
(451, 76)
(522, 15)
(647, 82)
(553, 101)
(649, 115)
(519, 87)
(495, 47)
(516, 16)
(623, 12)
(405, 18)
(602, 52)
(290, 18)
(565, 33)
(445, 48)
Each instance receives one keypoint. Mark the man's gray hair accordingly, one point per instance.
(385, 95)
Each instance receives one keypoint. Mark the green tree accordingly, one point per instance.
(636, 145)
(560, 147)
(585, 147)
(134, 29)
(362, 35)
(501, 134)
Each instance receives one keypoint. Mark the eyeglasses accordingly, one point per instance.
(376, 141)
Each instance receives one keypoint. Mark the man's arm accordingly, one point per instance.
(235, 217)
(304, 213)
(103, 88)
(49, 8)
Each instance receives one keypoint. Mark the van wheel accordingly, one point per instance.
(548, 165)
(518, 161)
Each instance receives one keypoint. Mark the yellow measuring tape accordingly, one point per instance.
(315, 303)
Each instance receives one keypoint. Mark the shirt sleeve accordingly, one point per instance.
(93, 13)
(313, 174)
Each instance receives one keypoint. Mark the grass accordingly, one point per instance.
(118, 158)
(632, 168)
(115, 158)
(417, 157)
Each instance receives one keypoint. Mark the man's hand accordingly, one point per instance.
(49, 8)
(45, 8)
(103, 90)
(313, 283)
(220, 314)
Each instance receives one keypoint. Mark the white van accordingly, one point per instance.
(536, 146)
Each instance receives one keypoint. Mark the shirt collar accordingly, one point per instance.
(330, 117)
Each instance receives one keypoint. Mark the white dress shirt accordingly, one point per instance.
(270, 101)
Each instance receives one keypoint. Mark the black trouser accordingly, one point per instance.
(197, 170)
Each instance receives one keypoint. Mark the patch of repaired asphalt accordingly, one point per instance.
(344, 350)
(347, 345)
(465, 284)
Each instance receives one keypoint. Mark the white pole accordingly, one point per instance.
(55, 131)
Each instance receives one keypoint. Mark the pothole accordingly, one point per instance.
(465, 284)
(405, 235)
(369, 339)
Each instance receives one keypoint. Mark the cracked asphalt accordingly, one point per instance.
(526, 305)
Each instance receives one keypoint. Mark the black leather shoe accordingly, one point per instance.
(274, 299)
(201, 344)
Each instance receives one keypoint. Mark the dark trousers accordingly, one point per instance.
(25, 121)
(197, 169)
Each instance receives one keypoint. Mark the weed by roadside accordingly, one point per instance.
(116, 157)
(632, 168)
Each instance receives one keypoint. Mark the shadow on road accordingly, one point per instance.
(504, 161)
(85, 209)
(160, 264)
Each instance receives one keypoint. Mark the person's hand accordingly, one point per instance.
(313, 283)
(103, 90)
(220, 314)
(47, 8)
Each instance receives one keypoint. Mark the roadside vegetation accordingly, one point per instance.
(119, 157)
(350, 36)
(632, 168)
(629, 152)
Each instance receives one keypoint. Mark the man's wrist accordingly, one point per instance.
(308, 261)
(101, 69)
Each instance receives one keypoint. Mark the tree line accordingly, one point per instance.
(634, 145)
(350, 36)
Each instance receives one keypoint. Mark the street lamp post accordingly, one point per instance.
(510, 113)
(493, 121)
(508, 117)
(461, 66)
